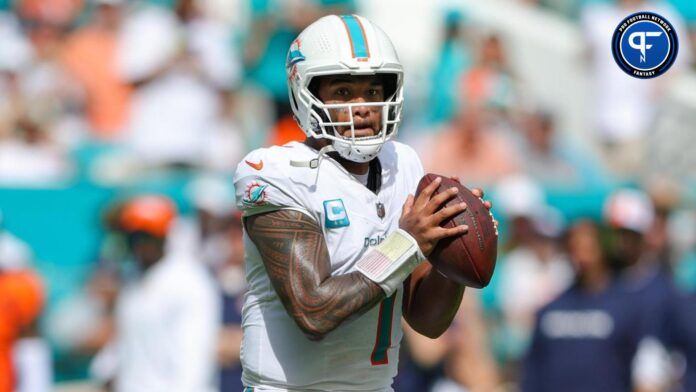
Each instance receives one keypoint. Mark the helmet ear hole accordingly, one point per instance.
(293, 100)
(324, 116)
(313, 87)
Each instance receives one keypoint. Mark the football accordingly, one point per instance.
(468, 259)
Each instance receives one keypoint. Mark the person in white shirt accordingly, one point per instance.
(167, 318)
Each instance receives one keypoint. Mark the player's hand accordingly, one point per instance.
(421, 218)
(478, 192)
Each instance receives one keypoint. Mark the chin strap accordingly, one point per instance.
(314, 163)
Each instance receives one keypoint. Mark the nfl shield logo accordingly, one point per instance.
(380, 210)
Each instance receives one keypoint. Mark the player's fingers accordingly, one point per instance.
(447, 212)
(408, 205)
(437, 200)
(478, 192)
(455, 178)
(441, 233)
(488, 204)
(427, 192)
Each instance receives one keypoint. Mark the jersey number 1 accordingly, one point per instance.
(384, 328)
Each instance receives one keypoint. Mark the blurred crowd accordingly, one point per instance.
(154, 103)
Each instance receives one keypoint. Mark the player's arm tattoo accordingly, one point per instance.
(297, 261)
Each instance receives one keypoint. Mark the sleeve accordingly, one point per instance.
(261, 186)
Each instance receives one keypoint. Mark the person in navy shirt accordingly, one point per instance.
(631, 216)
(586, 339)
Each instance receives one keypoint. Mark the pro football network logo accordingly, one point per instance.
(645, 45)
(254, 194)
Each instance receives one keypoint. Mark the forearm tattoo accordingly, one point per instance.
(297, 261)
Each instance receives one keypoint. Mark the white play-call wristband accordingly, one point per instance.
(392, 261)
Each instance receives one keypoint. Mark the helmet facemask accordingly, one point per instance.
(353, 148)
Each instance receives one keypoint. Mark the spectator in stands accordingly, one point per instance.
(666, 196)
(21, 303)
(550, 159)
(167, 318)
(28, 157)
(82, 324)
(274, 25)
(643, 277)
(179, 63)
(687, 9)
(219, 242)
(41, 121)
(682, 234)
(454, 58)
(530, 277)
(585, 340)
(90, 55)
(515, 198)
(15, 55)
(214, 203)
(534, 270)
(489, 84)
(470, 149)
(53, 12)
(49, 98)
(631, 215)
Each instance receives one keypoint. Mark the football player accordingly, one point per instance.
(335, 240)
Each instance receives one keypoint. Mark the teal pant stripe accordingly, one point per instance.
(386, 313)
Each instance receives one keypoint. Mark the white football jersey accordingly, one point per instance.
(362, 353)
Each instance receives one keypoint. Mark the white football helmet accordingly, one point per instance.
(346, 44)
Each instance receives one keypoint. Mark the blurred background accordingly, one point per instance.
(592, 174)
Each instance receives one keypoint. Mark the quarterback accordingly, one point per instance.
(335, 240)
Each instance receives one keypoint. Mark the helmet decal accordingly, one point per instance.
(294, 54)
(356, 36)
